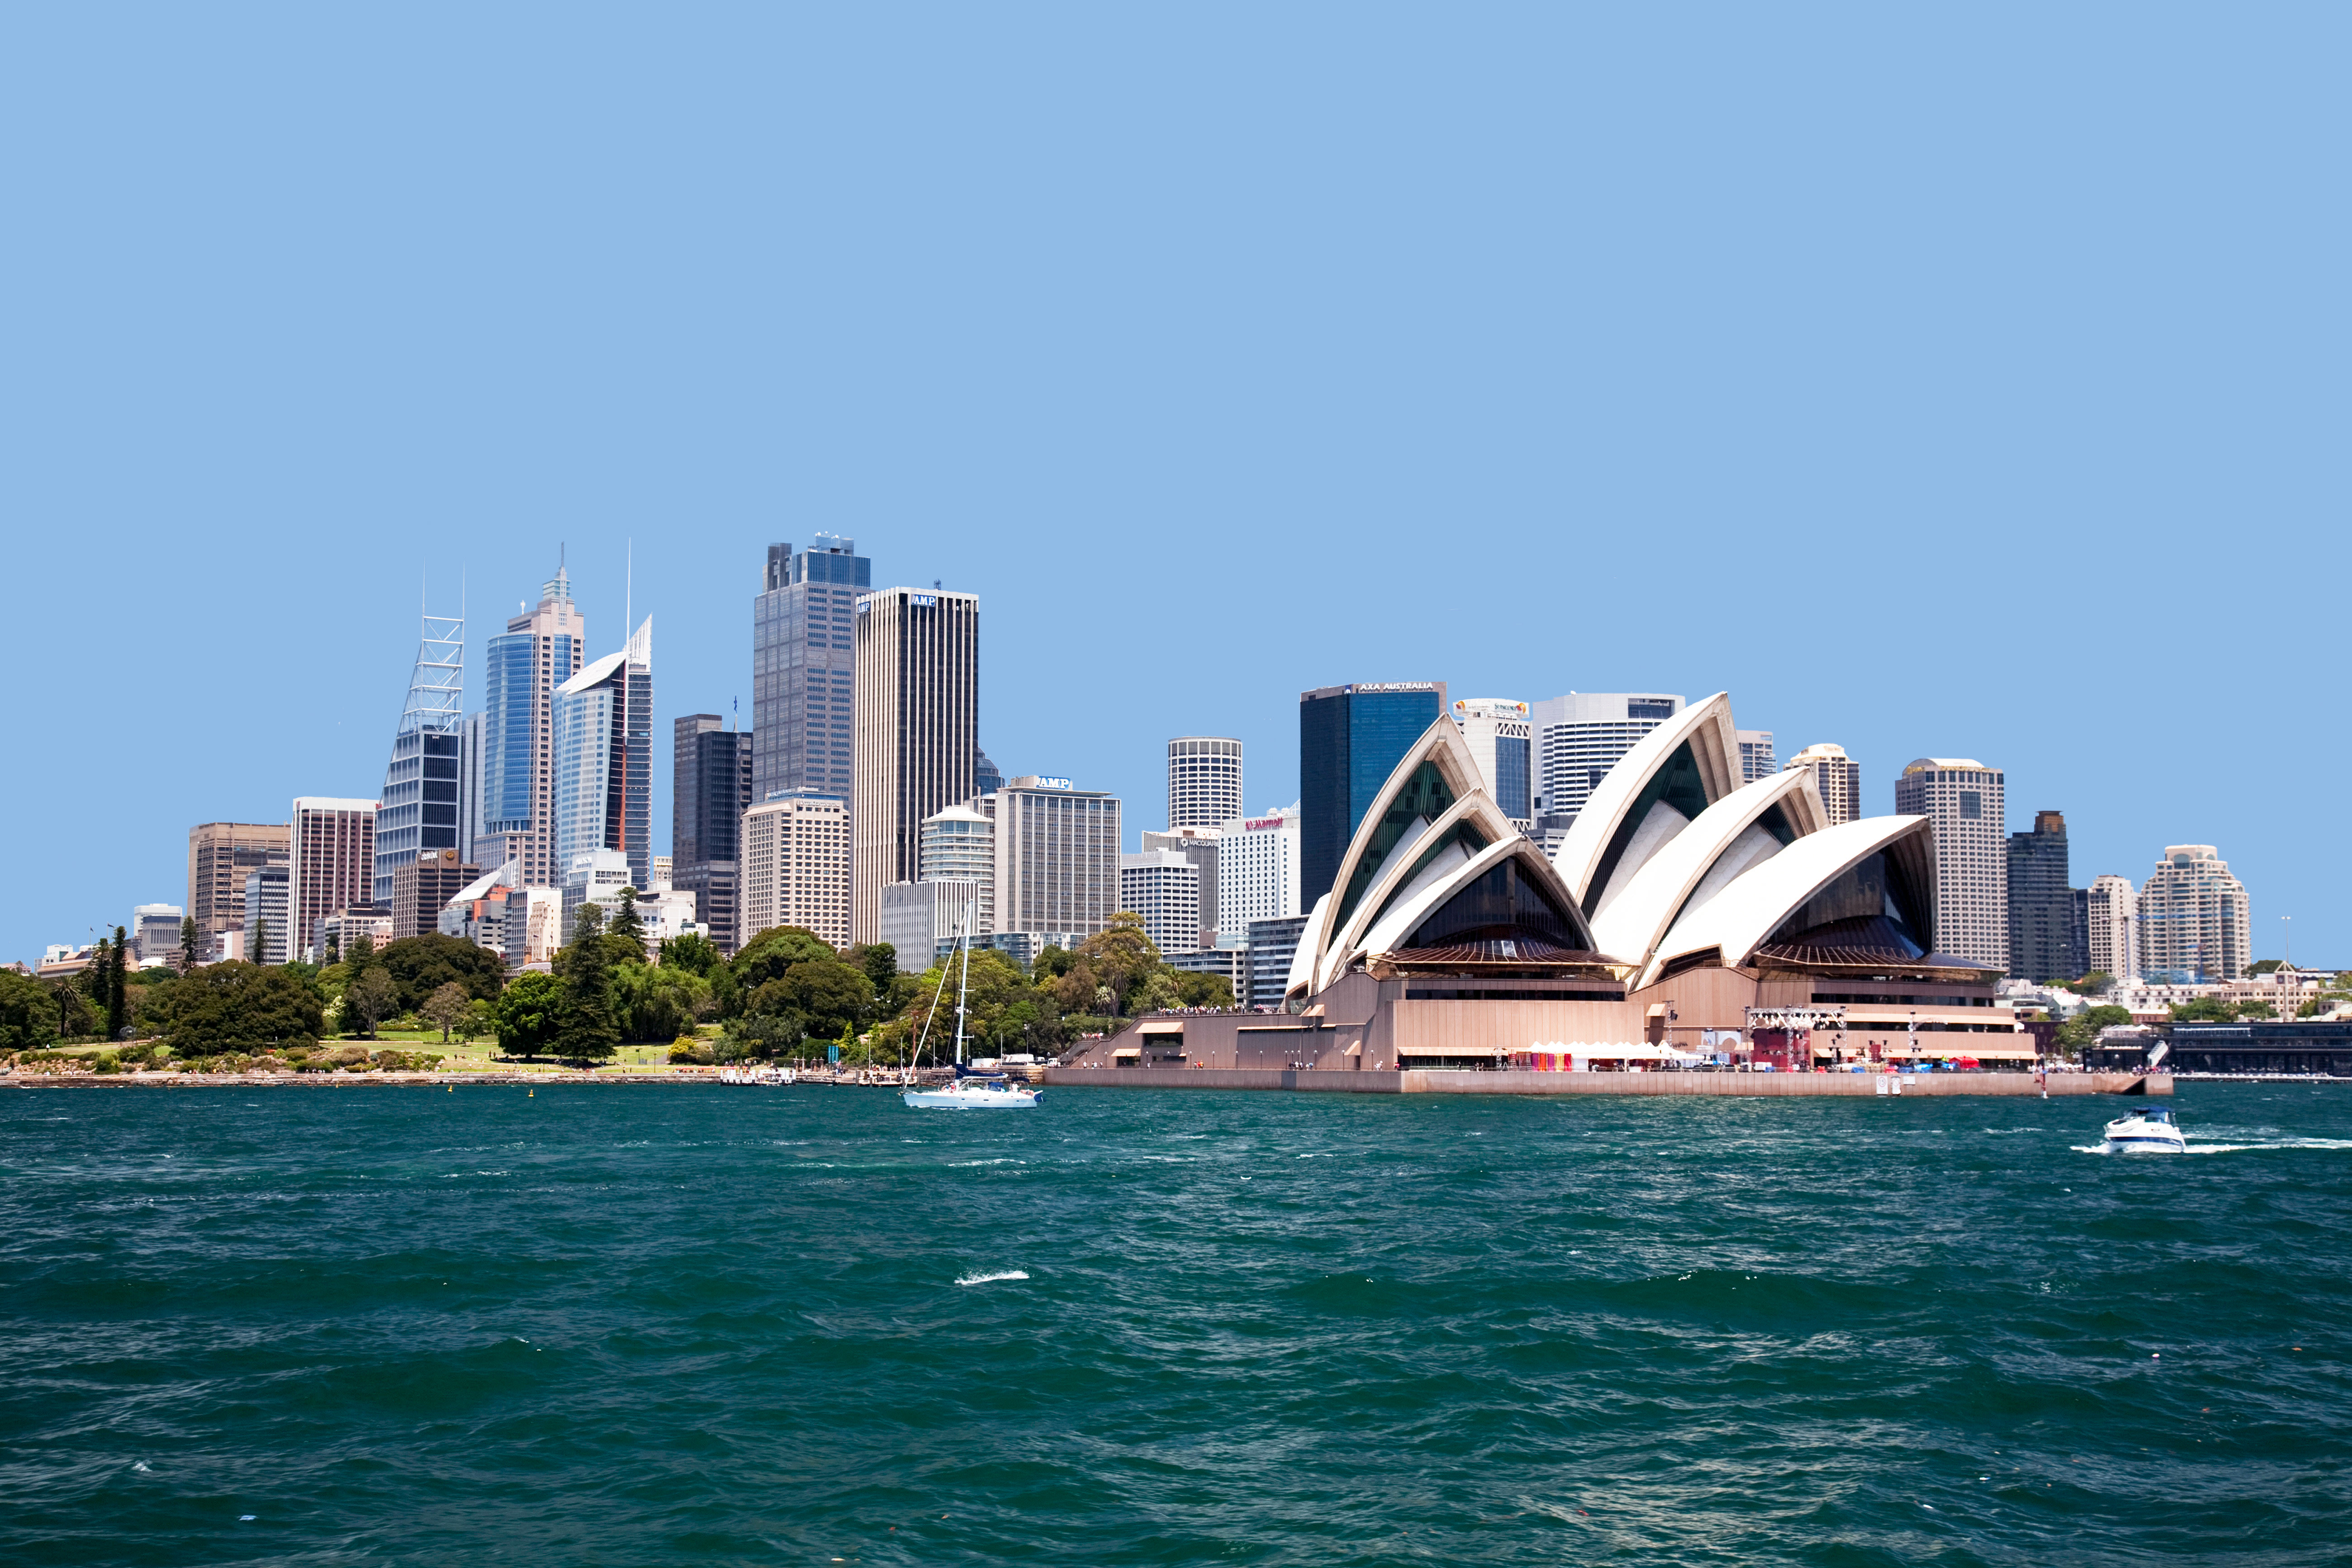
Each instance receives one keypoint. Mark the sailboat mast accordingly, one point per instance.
(963, 984)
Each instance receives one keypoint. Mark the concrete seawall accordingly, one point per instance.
(1558, 1083)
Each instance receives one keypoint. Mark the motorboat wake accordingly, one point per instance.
(2148, 1131)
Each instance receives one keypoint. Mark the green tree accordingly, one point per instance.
(2082, 1028)
(118, 1001)
(369, 998)
(260, 954)
(529, 1014)
(420, 965)
(998, 1000)
(628, 926)
(2264, 967)
(693, 952)
(2204, 1010)
(28, 1014)
(657, 1002)
(334, 948)
(767, 955)
(241, 1006)
(2256, 1010)
(824, 992)
(586, 1030)
(447, 1006)
(759, 1037)
(879, 961)
(187, 943)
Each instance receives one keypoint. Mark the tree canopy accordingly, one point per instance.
(420, 965)
(239, 1005)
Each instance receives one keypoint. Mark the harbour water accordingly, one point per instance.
(655, 1326)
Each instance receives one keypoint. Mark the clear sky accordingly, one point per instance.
(1966, 383)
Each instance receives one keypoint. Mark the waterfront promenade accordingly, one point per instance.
(1757, 1084)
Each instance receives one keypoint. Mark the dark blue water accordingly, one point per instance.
(654, 1326)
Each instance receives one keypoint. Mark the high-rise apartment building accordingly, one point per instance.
(797, 860)
(1755, 755)
(1580, 737)
(1351, 738)
(959, 844)
(1962, 797)
(1837, 777)
(918, 688)
(332, 867)
(425, 783)
(539, 650)
(1164, 888)
(266, 936)
(710, 791)
(1200, 846)
(2046, 938)
(1057, 856)
(2113, 933)
(221, 855)
(803, 667)
(1501, 733)
(422, 889)
(2195, 925)
(1257, 874)
(603, 758)
(1204, 780)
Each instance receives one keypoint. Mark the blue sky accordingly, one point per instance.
(1964, 384)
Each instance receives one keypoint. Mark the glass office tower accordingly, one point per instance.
(421, 786)
(539, 650)
(803, 667)
(603, 747)
(1351, 738)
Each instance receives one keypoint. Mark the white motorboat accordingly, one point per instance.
(2145, 1130)
(979, 1092)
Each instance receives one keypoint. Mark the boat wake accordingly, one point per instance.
(2196, 1148)
(992, 1278)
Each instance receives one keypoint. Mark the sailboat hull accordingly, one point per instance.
(967, 1096)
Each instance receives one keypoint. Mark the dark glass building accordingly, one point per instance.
(712, 789)
(803, 664)
(2048, 936)
(1351, 738)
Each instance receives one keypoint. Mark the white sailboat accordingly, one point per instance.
(967, 1091)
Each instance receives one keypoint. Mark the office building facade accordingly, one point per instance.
(1583, 736)
(1836, 777)
(711, 778)
(2112, 929)
(422, 889)
(1257, 874)
(1164, 888)
(268, 935)
(331, 865)
(1350, 739)
(1755, 755)
(1273, 943)
(921, 920)
(221, 855)
(1204, 780)
(1202, 846)
(2195, 924)
(2047, 941)
(154, 934)
(1057, 851)
(604, 755)
(423, 784)
(539, 650)
(796, 866)
(1501, 733)
(805, 667)
(1964, 801)
(918, 731)
(959, 844)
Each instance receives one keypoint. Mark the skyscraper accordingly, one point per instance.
(1257, 873)
(1200, 846)
(539, 650)
(1057, 856)
(1580, 737)
(1351, 738)
(1838, 779)
(422, 889)
(1755, 755)
(1164, 888)
(1501, 733)
(603, 754)
(959, 844)
(2113, 928)
(1962, 797)
(424, 783)
(266, 924)
(332, 867)
(796, 865)
(710, 790)
(221, 855)
(803, 667)
(2044, 943)
(2195, 925)
(917, 691)
(1204, 780)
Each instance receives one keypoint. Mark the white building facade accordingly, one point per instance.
(2195, 927)
(1257, 873)
(1501, 734)
(1057, 856)
(1837, 778)
(959, 844)
(921, 920)
(2113, 928)
(1204, 780)
(795, 858)
(1755, 755)
(1164, 886)
(1964, 799)
(1580, 737)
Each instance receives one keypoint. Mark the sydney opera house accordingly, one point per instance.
(1687, 919)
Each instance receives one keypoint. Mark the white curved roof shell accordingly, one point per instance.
(1740, 918)
(1715, 744)
(1698, 864)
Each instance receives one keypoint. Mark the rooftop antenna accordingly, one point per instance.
(629, 586)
